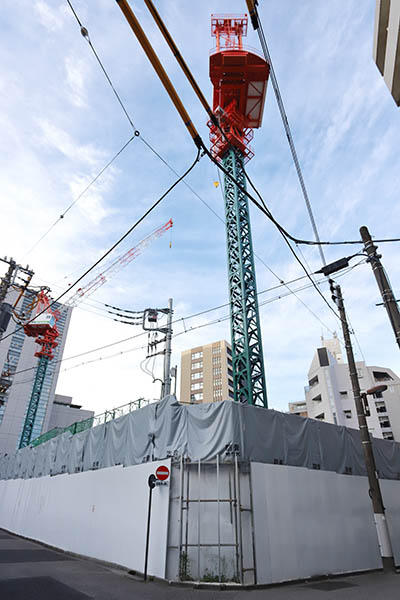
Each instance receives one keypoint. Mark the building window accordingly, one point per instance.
(230, 382)
(320, 417)
(384, 422)
(197, 365)
(216, 350)
(198, 375)
(217, 371)
(231, 394)
(388, 435)
(196, 397)
(217, 394)
(381, 376)
(313, 381)
(343, 393)
(317, 398)
(380, 407)
(229, 351)
(229, 362)
(217, 382)
(378, 395)
(347, 414)
(196, 386)
(197, 355)
(216, 360)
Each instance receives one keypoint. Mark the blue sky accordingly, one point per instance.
(60, 124)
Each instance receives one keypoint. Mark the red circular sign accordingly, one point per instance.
(162, 473)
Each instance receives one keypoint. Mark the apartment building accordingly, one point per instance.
(329, 395)
(298, 408)
(206, 373)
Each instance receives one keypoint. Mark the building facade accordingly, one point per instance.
(18, 367)
(64, 413)
(298, 408)
(206, 373)
(387, 44)
(329, 395)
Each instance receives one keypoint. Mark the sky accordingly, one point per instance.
(60, 123)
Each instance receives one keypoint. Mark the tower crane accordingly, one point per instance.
(43, 326)
(239, 79)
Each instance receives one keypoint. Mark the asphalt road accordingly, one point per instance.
(29, 571)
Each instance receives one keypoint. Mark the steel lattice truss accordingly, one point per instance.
(247, 354)
(34, 402)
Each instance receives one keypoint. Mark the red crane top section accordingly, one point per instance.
(43, 326)
(239, 77)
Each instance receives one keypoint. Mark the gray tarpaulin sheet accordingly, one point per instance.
(201, 432)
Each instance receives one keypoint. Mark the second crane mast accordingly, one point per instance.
(239, 79)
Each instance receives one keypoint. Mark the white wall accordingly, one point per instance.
(101, 514)
(310, 523)
(391, 500)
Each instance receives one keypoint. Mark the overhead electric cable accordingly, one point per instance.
(201, 313)
(152, 56)
(256, 22)
(83, 192)
(148, 211)
(85, 34)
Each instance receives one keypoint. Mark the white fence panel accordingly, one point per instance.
(101, 514)
(310, 523)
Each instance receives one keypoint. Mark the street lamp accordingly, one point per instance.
(371, 392)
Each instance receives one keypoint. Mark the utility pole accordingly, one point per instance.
(166, 385)
(5, 307)
(383, 282)
(374, 487)
(7, 279)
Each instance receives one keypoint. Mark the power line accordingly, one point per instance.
(201, 313)
(267, 56)
(263, 208)
(93, 181)
(148, 211)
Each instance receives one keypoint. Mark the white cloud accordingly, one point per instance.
(77, 74)
(49, 17)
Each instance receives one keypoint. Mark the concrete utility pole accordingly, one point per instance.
(5, 307)
(383, 282)
(166, 386)
(374, 487)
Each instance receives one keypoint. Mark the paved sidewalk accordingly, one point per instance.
(29, 571)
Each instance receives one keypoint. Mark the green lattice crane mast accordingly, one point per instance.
(43, 328)
(239, 79)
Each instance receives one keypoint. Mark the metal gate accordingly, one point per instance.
(211, 533)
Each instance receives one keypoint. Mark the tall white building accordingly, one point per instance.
(329, 395)
(387, 44)
(17, 354)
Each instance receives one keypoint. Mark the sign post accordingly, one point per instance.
(162, 474)
(152, 484)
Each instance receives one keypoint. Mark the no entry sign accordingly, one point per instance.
(162, 473)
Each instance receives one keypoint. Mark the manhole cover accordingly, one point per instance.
(38, 588)
(330, 585)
